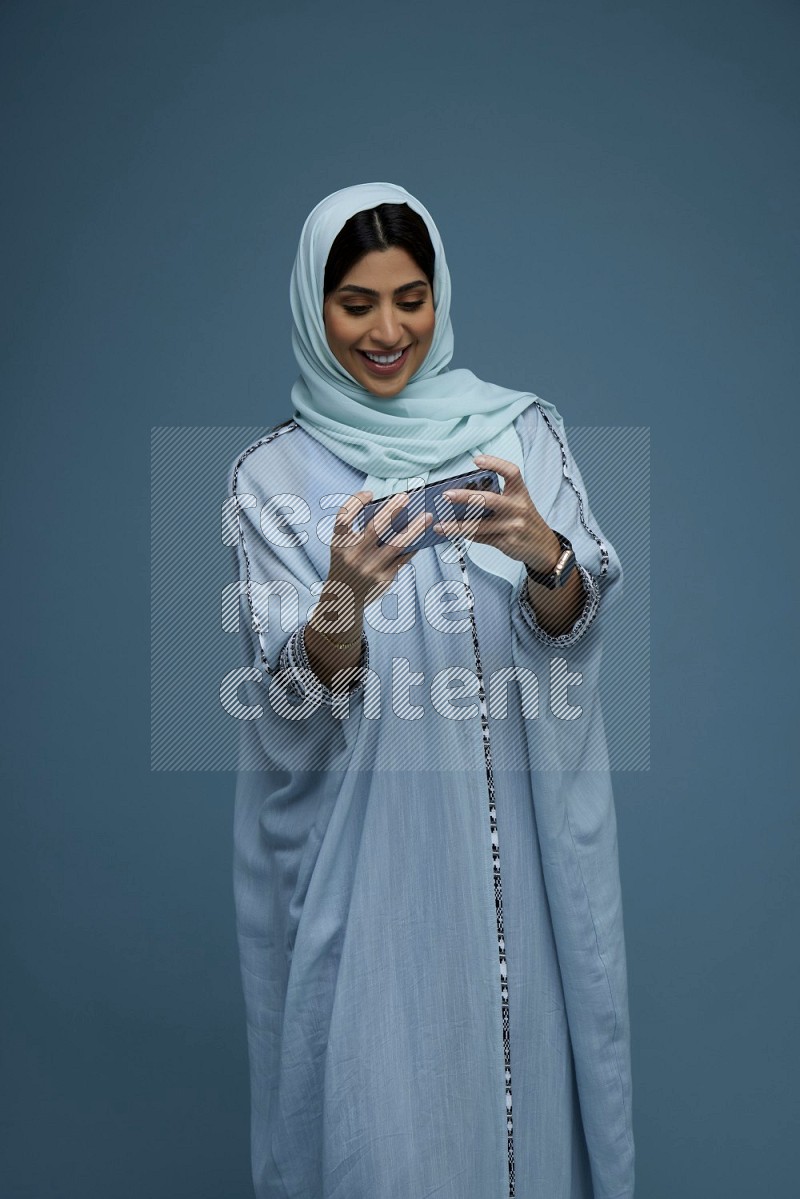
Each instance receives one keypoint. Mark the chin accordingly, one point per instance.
(384, 387)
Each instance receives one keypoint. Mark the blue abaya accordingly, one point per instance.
(426, 876)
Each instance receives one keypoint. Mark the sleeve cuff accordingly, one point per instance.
(585, 618)
(295, 666)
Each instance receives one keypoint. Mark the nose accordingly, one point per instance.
(387, 331)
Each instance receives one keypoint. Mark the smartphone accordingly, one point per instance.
(429, 498)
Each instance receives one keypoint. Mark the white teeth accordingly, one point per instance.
(384, 359)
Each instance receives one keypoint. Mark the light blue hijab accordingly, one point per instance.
(431, 428)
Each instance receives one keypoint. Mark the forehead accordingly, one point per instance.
(384, 270)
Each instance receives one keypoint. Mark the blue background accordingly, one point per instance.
(616, 187)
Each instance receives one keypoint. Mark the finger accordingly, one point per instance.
(454, 528)
(476, 508)
(415, 529)
(463, 495)
(350, 509)
(357, 495)
(353, 503)
(407, 537)
(383, 518)
(509, 470)
(392, 504)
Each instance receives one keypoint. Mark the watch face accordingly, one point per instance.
(564, 567)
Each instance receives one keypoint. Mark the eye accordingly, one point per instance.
(360, 309)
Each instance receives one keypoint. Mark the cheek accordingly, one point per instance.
(336, 333)
(332, 323)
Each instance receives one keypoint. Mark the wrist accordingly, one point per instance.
(555, 576)
(343, 596)
(339, 614)
(543, 554)
(335, 639)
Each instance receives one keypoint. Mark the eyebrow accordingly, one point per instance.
(368, 291)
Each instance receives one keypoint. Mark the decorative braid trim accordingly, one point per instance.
(565, 472)
(284, 427)
(498, 886)
(591, 604)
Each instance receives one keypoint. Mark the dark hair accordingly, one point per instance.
(379, 229)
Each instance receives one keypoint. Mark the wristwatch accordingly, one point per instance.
(562, 569)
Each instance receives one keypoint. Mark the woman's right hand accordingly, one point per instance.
(361, 569)
(359, 559)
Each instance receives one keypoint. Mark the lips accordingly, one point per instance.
(376, 368)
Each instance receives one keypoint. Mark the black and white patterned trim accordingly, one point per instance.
(498, 886)
(565, 472)
(284, 427)
(591, 604)
(295, 666)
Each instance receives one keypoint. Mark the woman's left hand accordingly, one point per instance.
(515, 526)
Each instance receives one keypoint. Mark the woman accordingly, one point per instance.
(426, 878)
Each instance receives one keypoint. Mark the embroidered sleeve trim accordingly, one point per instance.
(604, 558)
(285, 426)
(296, 667)
(585, 618)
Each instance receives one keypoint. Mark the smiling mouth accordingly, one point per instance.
(385, 368)
(374, 354)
